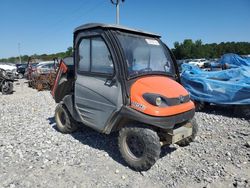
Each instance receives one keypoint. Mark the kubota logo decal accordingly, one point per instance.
(137, 105)
(181, 98)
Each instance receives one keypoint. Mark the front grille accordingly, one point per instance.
(177, 101)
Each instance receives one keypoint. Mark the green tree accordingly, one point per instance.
(189, 49)
(69, 51)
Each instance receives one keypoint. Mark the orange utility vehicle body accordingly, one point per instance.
(167, 89)
(124, 80)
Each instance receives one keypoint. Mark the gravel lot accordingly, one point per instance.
(34, 154)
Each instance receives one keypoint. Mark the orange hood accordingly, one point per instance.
(162, 86)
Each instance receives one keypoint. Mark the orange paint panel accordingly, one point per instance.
(163, 86)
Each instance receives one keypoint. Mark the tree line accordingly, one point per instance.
(191, 50)
(187, 49)
(44, 57)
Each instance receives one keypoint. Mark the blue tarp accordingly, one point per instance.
(234, 60)
(230, 86)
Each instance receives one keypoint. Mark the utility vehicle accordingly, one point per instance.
(124, 80)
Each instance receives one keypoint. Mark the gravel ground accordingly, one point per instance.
(34, 154)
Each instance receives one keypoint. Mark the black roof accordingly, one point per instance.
(114, 27)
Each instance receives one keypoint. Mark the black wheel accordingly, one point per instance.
(20, 76)
(7, 87)
(246, 111)
(242, 111)
(188, 140)
(29, 83)
(199, 105)
(64, 121)
(140, 147)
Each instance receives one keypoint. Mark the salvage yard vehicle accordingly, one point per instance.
(6, 83)
(10, 70)
(43, 75)
(29, 70)
(21, 68)
(46, 67)
(198, 62)
(227, 85)
(124, 80)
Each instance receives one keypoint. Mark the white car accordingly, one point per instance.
(46, 67)
(10, 69)
(198, 62)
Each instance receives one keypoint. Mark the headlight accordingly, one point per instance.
(158, 101)
(155, 99)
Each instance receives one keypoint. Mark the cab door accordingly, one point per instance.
(97, 92)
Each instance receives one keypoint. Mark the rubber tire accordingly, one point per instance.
(152, 147)
(29, 83)
(9, 89)
(242, 111)
(199, 106)
(188, 140)
(20, 76)
(246, 112)
(70, 125)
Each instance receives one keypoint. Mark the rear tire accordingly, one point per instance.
(64, 122)
(140, 147)
(20, 76)
(7, 87)
(188, 140)
(29, 83)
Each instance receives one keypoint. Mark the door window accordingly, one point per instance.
(84, 55)
(95, 57)
(101, 59)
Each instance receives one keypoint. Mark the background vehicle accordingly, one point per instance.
(21, 68)
(43, 75)
(198, 62)
(45, 67)
(30, 68)
(6, 83)
(226, 85)
(10, 70)
(124, 80)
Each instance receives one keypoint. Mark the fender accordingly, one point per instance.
(68, 101)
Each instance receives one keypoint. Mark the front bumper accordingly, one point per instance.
(177, 134)
(167, 122)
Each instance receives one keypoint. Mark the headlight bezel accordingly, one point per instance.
(166, 102)
(152, 98)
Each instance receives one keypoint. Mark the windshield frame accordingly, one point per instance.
(173, 73)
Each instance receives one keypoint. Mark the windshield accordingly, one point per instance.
(145, 55)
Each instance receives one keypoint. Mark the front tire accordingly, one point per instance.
(140, 147)
(64, 122)
(199, 106)
(188, 140)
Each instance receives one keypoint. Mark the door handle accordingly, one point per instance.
(110, 82)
